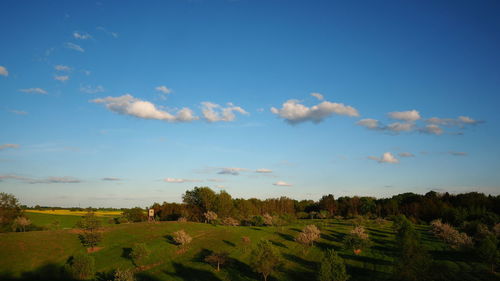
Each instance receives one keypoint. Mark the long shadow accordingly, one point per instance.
(145, 276)
(238, 270)
(201, 255)
(361, 274)
(285, 236)
(47, 272)
(365, 259)
(324, 246)
(381, 232)
(255, 228)
(189, 273)
(126, 253)
(331, 238)
(279, 244)
(388, 251)
(229, 243)
(170, 239)
(296, 229)
(305, 263)
(450, 255)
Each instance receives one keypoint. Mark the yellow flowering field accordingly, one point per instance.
(75, 213)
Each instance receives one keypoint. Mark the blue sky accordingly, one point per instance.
(125, 103)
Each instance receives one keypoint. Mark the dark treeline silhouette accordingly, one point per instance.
(452, 209)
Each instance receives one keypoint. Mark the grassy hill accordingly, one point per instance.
(39, 255)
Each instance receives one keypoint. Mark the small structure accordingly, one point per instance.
(151, 215)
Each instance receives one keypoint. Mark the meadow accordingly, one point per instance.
(40, 255)
(64, 219)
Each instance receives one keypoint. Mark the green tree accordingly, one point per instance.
(200, 200)
(327, 202)
(9, 211)
(265, 258)
(90, 225)
(487, 251)
(136, 214)
(332, 267)
(82, 266)
(223, 204)
(139, 253)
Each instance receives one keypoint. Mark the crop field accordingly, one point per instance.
(41, 255)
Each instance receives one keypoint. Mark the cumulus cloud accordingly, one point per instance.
(409, 116)
(387, 157)
(62, 78)
(400, 127)
(164, 90)
(263, 171)
(81, 35)
(91, 90)
(9, 145)
(432, 129)
(3, 71)
(34, 91)
(74, 46)
(294, 112)
(406, 154)
(461, 121)
(128, 105)
(174, 180)
(231, 171)
(61, 67)
(395, 127)
(213, 112)
(318, 96)
(281, 183)
(458, 153)
(369, 123)
(111, 179)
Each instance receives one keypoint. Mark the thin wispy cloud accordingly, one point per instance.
(263, 171)
(406, 154)
(213, 112)
(3, 71)
(88, 89)
(387, 157)
(128, 105)
(113, 34)
(163, 89)
(81, 35)
(34, 91)
(19, 112)
(409, 116)
(62, 78)
(281, 183)
(458, 153)
(232, 171)
(61, 67)
(318, 96)
(293, 112)
(74, 46)
(48, 180)
(178, 180)
(8, 145)
(111, 179)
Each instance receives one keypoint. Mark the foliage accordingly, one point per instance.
(268, 219)
(123, 275)
(487, 250)
(136, 214)
(265, 258)
(82, 266)
(90, 225)
(20, 223)
(309, 234)
(332, 267)
(356, 240)
(182, 219)
(230, 221)
(446, 232)
(182, 238)
(257, 221)
(210, 216)
(9, 211)
(217, 259)
(139, 253)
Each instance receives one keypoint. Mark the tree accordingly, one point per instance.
(217, 259)
(230, 221)
(136, 214)
(90, 226)
(20, 223)
(327, 202)
(9, 211)
(210, 216)
(82, 266)
(223, 204)
(139, 253)
(200, 200)
(182, 238)
(332, 267)
(357, 240)
(268, 219)
(265, 258)
(309, 234)
(487, 251)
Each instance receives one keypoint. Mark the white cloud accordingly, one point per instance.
(111, 179)
(81, 35)
(264, 171)
(294, 112)
(3, 71)
(318, 96)
(174, 180)
(45, 180)
(400, 127)
(281, 183)
(369, 123)
(458, 153)
(467, 120)
(61, 67)
(128, 105)
(387, 157)
(460, 121)
(213, 112)
(91, 90)
(8, 145)
(62, 78)
(34, 91)
(432, 129)
(231, 171)
(409, 116)
(406, 154)
(164, 89)
(73, 46)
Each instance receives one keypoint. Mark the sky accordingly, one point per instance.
(126, 103)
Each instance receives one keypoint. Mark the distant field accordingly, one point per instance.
(26, 256)
(65, 218)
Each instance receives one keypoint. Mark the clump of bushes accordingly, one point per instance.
(182, 219)
(357, 240)
(451, 236)
(81, 266)
(123, 275)
(230, 221)
(20, 224)
(139, 253)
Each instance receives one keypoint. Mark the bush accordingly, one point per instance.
(136, 214)
(210, 216)
(332, 267)
(82, 266)
(230, 221)
(257, 221)
(182, 238)
(450, 235)
(357, 240)
(139, 253)
(268, 219)
(20, 224)
(182, 219)
(124, 275)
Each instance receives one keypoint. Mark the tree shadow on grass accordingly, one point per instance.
(332, 238)
(451, 255)
(170, 239)
(380, 232)
(238, 270)
(201, 255)
(285, 236)
(303, 262)
(47, 272)
(324, 246)
(279, 244)
(255, 228)
(189, 273)
(359, 273)
(366, 260)
(296, 229)
(145, 276)
(126, 253)
(229, 243)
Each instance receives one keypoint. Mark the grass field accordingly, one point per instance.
(38, 255)
(45, 219)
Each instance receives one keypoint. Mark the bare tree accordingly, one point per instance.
(182, 238)
(21, 223)
(217, 259)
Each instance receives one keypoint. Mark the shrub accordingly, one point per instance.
(90, 225)
(265, 258)
(268, 219)
(332, 267)
(496, 229)
(450, 235)
(20, 223)
(182, 238)
(257, 221)
(124, 275)
(230, 221)
(210, 216)
(357, 240)
(182, 219)
(217, 259)
(139, 253)
(82, 266)
(488, 252)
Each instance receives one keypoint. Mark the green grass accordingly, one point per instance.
(65, 221)
(23, 255)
